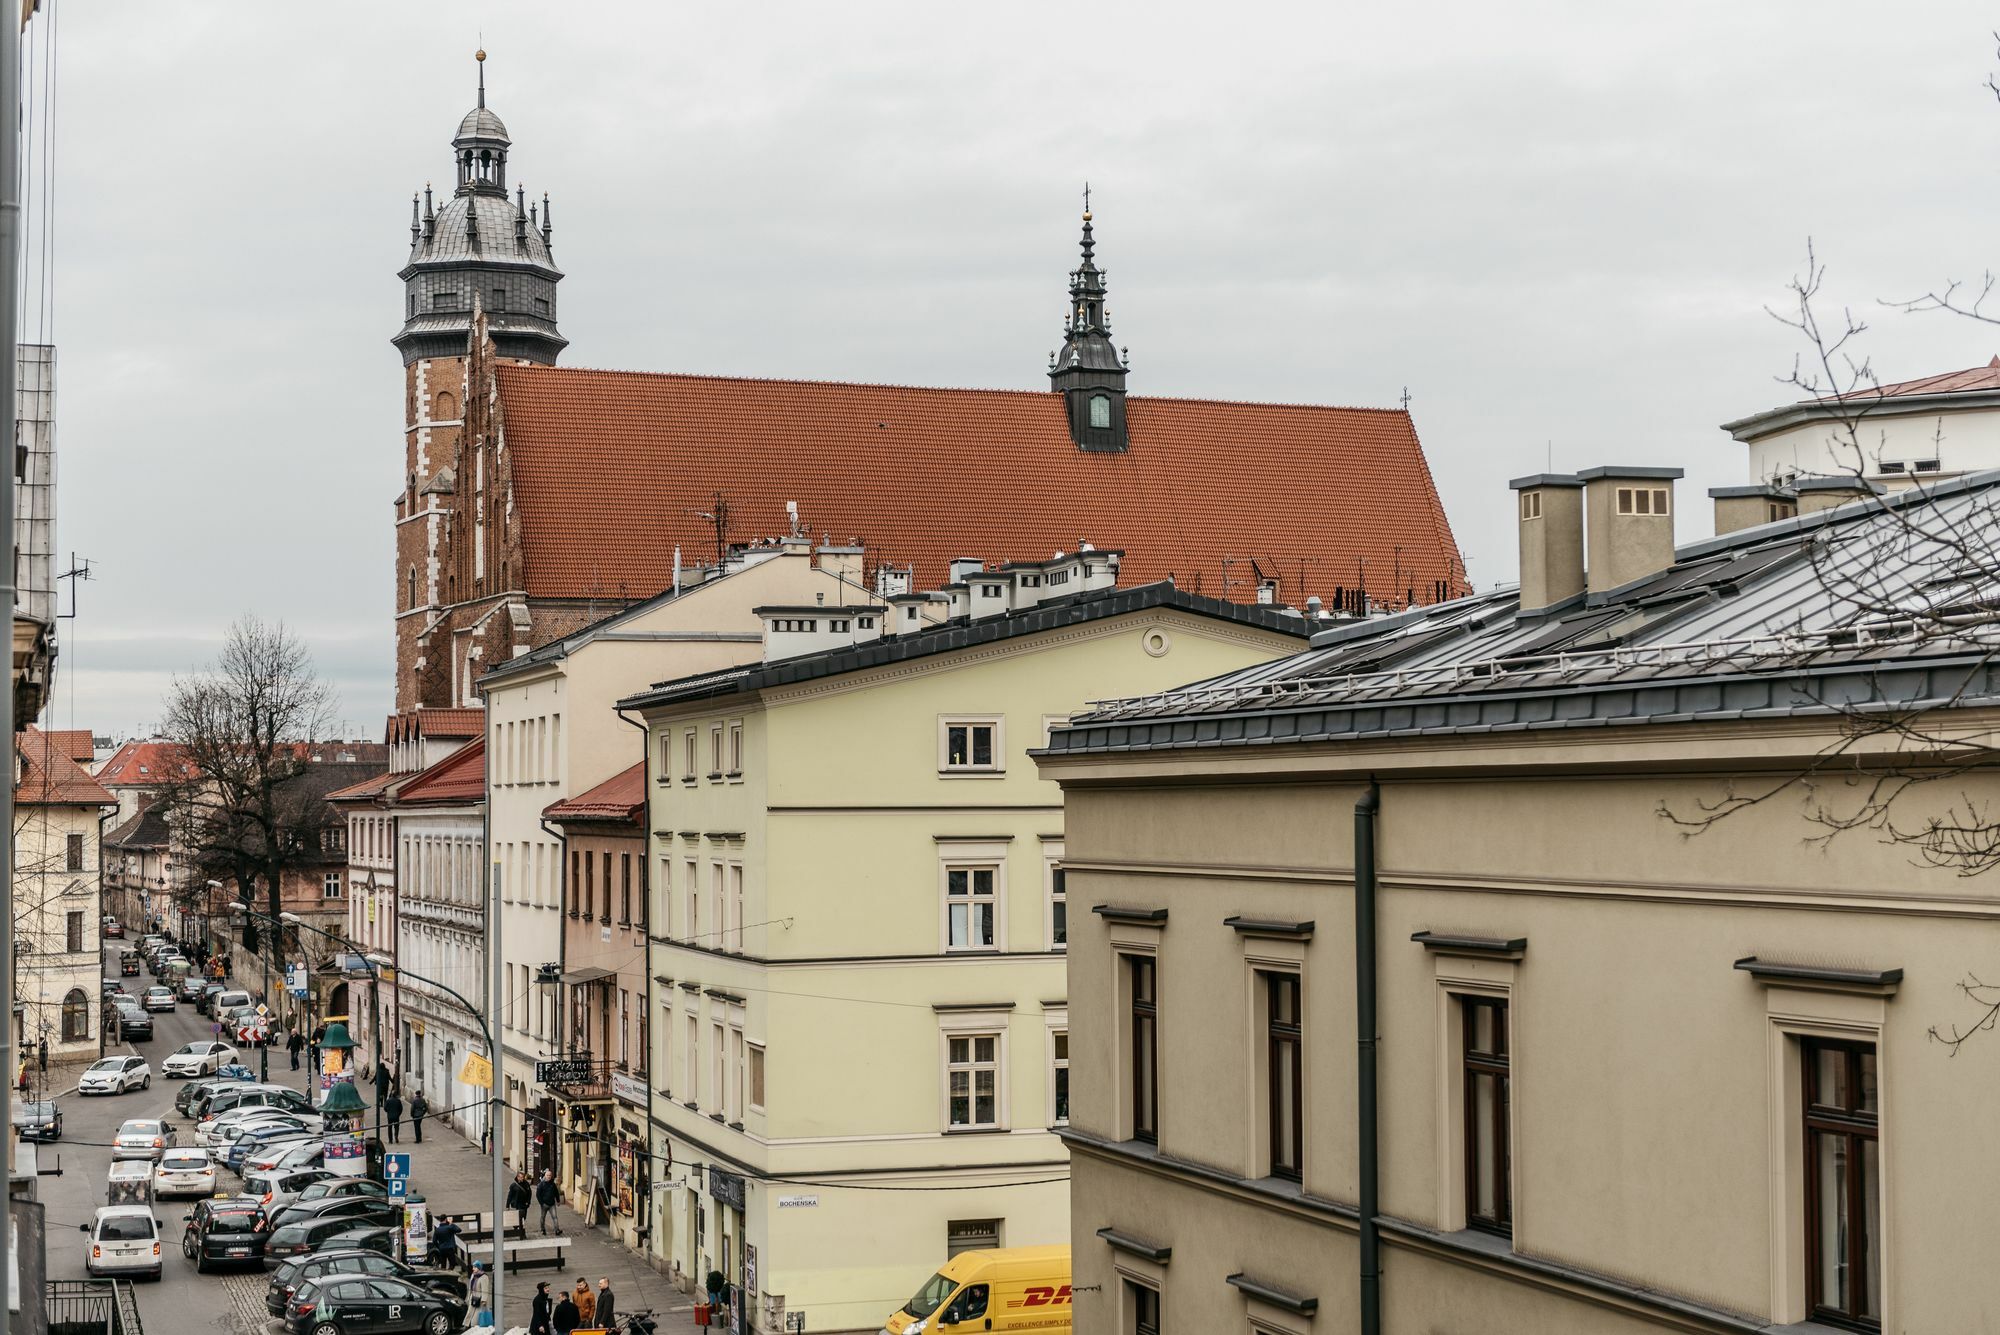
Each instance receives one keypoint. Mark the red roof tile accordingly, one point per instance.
(611, 470)
(49, 778)
(77, 744)
(421, 722)
(621, 797)
(137, 764)
(459, 777)
(366, 789)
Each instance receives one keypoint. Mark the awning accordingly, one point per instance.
(588, 974)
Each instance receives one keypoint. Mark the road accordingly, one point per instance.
(183, 1302)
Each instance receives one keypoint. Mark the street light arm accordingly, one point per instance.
(475, 1012)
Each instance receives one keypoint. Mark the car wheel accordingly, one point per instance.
(146, 1082)
(326, 1328)
(188, 1249)
(439, 1324)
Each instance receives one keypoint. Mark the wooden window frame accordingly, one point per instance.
(1144, 1302)
(1857, 1126)
(971, 901)
(972, 1066)
(1143, 1026)
(1498, 1064)
(1284, 1050)
(996, 764)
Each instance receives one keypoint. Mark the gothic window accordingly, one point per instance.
(411, 601)
(1100, 411)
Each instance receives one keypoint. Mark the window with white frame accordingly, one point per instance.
(1058, 889)
(665, 926)
(971, 907)
(330, 886)
(1058, 1077)
(666, 757)
(739, 1067)
(735, 770)
(734, 925)
(688, 773)
(972, 1081)
(973, 745)
(719, 933)
(692, 1093)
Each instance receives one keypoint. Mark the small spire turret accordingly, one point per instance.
(416, 222)
(1090, 371)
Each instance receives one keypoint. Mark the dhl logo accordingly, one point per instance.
(1046, 1297)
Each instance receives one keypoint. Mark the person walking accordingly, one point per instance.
(418, 1111)
(392, 1109)
(586, 1303)
(546, 1196)
(295, 1045)
(541, 1314)
(476, 1291)
(519, 1196)
(444, 1246)
(607, 1304)
(565, 1316)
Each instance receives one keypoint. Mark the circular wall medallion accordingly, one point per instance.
(1156, 643)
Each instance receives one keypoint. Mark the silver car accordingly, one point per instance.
(140, 1138)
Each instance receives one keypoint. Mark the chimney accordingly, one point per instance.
(1631, 524)
(1824, 493)
(988, 592)
(1551, 510)
(842, 563)
(961, 566)
(1747, 507)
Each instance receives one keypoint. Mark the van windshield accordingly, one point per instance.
(930, 1297)
(124, 1228)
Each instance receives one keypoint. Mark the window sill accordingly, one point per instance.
(975, 1131)
(715, 776)
(688, 782)
(972, 774)
(734, 775)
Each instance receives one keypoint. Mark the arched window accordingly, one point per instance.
(412, 598)
(1100, 410)
(75, 1016)
(447, 406)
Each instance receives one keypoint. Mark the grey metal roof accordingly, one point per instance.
(495, 242)
(1756, 623)
(962, 633)
(481, 124)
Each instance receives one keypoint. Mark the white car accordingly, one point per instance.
(140, 1138)
(225, 1130)
(115, 1075)
(199, 1059)
(159, 997)
(123, 1239)
(183, 1172)
(304, 1154)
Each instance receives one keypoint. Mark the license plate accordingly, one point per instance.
(239, 1251)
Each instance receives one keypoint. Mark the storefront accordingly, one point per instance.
(631, 1193)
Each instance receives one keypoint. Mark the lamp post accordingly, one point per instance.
(263, 956)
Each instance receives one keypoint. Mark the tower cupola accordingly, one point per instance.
(1089, 372)
(479, 249)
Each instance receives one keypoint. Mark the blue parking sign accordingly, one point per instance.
(399, 1186)
(395, 1166)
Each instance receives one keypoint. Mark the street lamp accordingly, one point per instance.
(241, 909)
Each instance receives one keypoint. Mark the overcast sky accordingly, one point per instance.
(1557, 225)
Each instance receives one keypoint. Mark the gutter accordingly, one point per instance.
(1366, 811)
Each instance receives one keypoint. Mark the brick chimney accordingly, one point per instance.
(1746, 507)
(1551, 511)
(1630, 514)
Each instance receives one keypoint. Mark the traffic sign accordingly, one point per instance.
(395, 1166)
(399, 1186)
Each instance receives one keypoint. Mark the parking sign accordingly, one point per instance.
(399, 1186)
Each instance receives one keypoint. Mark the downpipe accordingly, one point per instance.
(1367, 1039)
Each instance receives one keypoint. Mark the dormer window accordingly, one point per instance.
(1100, 410)
(990, 591)
(1031, 581)
(867, 623)
(909, 614)
(838, 625)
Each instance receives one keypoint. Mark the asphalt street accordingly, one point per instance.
(182, 1302)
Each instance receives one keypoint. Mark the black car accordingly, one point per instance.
(210, 990)
(378, 1238)
(128, 963)
(376, 1304)
(222, 1230)
(355, 1209)
(304, 1236)
(190, 989)
(190, 1093)
(292, 1274)
(38, 1121)
(134, 1023)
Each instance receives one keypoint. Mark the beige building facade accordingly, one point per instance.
(1634, 1071)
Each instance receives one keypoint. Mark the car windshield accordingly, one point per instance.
(37, 1112)
(184, 1159)
(109, 1065)
(930, 1297)
(124, 1228)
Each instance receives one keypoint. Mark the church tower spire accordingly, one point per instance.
(472, 252)
(1089, 372)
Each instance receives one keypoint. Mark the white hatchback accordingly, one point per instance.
(184, 1172)
(199, 1058)
(115, 1075)
(124, 1239)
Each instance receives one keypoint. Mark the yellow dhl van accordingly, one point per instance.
(1011, 1288)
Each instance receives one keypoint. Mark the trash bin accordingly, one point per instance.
(701, 1311)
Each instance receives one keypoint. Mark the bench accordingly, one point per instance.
(523, 1251)
(478, 1227)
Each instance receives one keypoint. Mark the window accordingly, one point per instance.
(73, 854)
(604, 899)
(1058, 907)
(837, 625)
(666, 757)
(715, 751)
(1489, 1200)
(735, 751)
(1144, 1304)
(1642, 500)
(1531, 505)
(329, 886)
(970, 746)
(693, 881)
(693, 1060)
(1925, 466)
(1284, 1065)
(1100, 410)
(625, 889)
(972, 1073)
(970, 1235)
(75, 1016)
(733, 924)
(969, 908)
(444, 301)
(541, 305)
(739, 1087)
(1143, 981)
(499, 302)
(1843, 1183)
(989, 591)
(687, 756)
(74, 941)
(756, 1078)
(1059, 1075)
(718, 1087)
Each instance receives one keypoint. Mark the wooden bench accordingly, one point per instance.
(524, 1251)
(478, 1227)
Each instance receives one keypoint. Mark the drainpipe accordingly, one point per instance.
(1365, 812)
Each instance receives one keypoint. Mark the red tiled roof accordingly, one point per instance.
(621, 797)
(49, 778)
(137, 764)
(367, 788)
(1947, 382)
(611, 470)
(77, 744)
(421, 722)
(459, 777)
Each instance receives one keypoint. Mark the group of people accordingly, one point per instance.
(392, 1115)
(573, 1309)
(545, 1193)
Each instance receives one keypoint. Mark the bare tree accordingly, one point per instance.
(240, 731)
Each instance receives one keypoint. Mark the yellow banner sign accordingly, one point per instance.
(476, 1071)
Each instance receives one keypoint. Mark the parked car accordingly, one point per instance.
(210, 990)
(129, 1182)
(158, 998)
(139, 1138)
(134, 1023)
(184, 1172)
(304, 1155)
(285, 1281)
(186, 1095)
(276, 1188)
(375, 1304)
(356, 1210)
(115, 1075)
(113, 929)
(222, 1230)
(254, 1095)
(128, 963)
(123, 1240)
(378, 1238)
(219, 1133)
(300, 1237)
(262, 1136)
(345, 1186)
(40, 1120)
(190, 988)
(197, 1058)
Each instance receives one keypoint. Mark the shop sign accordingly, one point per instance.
(727, 1188)
(628, 1088)
(563, 1071)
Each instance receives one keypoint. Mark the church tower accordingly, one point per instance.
(1089, 372)
(479, 288)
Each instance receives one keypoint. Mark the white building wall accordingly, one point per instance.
(440, 926)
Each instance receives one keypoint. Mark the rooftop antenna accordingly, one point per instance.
(78, 570)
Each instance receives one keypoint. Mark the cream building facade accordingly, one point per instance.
(56, 899)
(552, 734)
(859, 921)
(1412, 948)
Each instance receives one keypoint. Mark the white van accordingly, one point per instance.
(228, 1001)
(124, 1240)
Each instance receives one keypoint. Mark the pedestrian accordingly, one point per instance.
(42, 1056)
(586, 1303)
(607, 1304)
(718, 1287)
(475, 1290)
(546, 1196)
(383, 1077)
(539, 1315)
(392, 1108)
(295, 1045)
(444, 1245)
(419, 1109)
(519, 1196)
(565, 1316)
